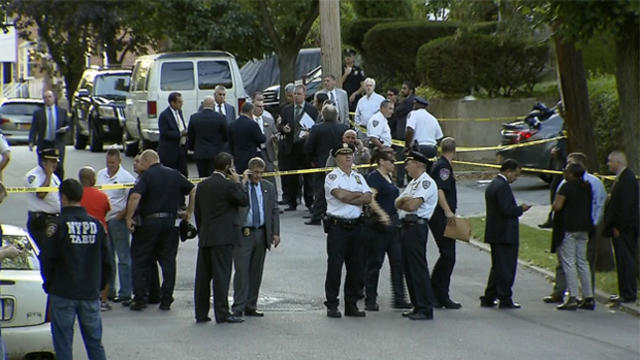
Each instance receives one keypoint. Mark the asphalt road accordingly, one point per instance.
(295, 325)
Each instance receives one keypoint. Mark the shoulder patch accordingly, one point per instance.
(375, 123)
(426, 184)
(52, 228)
(444, 174)
(358, 179)
(409, 114)
(30, 178)
(332, 177)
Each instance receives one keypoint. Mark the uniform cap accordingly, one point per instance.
(421, 100)
(416, 156)
(343, 149)
(50, 153)
(187, 230)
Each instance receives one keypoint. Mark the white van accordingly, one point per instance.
(193, 74)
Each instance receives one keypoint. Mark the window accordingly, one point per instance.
(112, 84)
(212, 73)
(19, 109)
(177, 76)
(27, 260)
(140, 74)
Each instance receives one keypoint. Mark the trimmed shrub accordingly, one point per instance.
(354, 32)
(605, 114)
(390, 49)
(455, 64)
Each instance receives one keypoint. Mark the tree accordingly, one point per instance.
(287, 24)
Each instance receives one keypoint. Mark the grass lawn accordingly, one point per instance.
(535, 248)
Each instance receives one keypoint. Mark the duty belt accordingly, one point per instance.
(412, 219)
(343, 222)
(159, 215)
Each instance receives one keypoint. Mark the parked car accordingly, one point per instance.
(541, 123)
(25, 321)
(98, 107)
(192, 74)
(15, 118)
(312, 80)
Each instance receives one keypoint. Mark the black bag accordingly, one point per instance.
(187, 230)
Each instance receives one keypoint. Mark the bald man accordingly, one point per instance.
(206, 136)
(49, 126)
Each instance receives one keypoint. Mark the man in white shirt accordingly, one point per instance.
(220, 95)
(42, 206)
(5, 153)
(422, 129)
(378, 129)
(369, 104)
(118, 234)
(338, 96)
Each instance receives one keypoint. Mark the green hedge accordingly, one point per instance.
(389, 49)
(455, 64)
(605, 114)
(353, 33)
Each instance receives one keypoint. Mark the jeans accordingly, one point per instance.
(119, 237)
(573, 256)
(63, 317)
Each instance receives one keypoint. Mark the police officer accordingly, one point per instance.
(346, 191)
(422, 129)
(158, 193)
(42, 206)
(415, 206)
(75, 266)
(444, 213)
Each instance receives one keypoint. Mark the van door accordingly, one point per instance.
(178, 76)
(214, 72)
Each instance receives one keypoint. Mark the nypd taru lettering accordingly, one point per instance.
(82, 232)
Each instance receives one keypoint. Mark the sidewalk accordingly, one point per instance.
(538, 215)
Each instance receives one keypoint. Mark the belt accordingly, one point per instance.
(247, 230)
(414, 219)
(159, 215)
(344, 222)
(40, 213)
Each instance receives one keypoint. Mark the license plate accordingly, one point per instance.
(6, 309)
(26, 126)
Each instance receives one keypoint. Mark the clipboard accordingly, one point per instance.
(460, 231)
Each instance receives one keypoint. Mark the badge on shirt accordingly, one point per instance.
(332, 177)
(30, 178)
(246, 232)
(358, 180)
(52, 228)
(415, 186)
(444, 174)
(375, 123)
(426, 184)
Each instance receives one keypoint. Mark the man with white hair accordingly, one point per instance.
(369, 104)
(221, 106)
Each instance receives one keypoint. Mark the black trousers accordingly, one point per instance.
(441, 272)
(416, 270)
(344, 246)
(319, 201)
(156, 239)
(291, 185)
(378, 244)
(504, 262)
(626, 249)
(214, 263)
(205, 167)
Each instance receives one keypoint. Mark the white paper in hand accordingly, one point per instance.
(306, 122)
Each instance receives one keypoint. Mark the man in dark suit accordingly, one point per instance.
(338, 96)
(245, 138)
(268, 127)
(398, 124)
(502, 233)
(261, 228)
(217, 213)
(173, 135)
(621, 222)
(221, 107)
(49, 126)
(207, 136)
(291, 148)
(322, 138)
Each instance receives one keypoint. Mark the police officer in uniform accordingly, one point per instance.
(158, 193)
(346, 191)
(415, 206)
(422, 129)
(42, 206)
(444, 213)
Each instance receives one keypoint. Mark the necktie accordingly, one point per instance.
(298, 110)
(220, 108)
(332, 97)
(51, 130)
(255, 209)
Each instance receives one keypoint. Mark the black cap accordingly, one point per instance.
(421, 100)
(187, 230)
(416, 156)
(343, 149)
(50, 153)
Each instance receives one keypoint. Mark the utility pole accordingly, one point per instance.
(330, 42)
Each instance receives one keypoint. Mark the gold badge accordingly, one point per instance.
(246, 232)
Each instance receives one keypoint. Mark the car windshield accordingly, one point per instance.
(112, 85)
(19, 108)
(28, 258)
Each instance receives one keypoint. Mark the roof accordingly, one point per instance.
(191, 54)
(23, 101)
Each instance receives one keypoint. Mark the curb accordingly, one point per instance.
(600, 296)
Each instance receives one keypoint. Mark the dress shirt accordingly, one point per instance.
(425, 126)
(367, 106)
(248, 221)
(421, 187)
(338, 179)
(117, 197)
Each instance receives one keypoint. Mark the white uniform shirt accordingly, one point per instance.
(378, 127)
(338, 179)
(4, 144)
(367, 106)
(425, 126)
(117, 197)
(422, 187)
(51, 203)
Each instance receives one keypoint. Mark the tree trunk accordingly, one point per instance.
(287, 62)
(628, 82)
(575, 98)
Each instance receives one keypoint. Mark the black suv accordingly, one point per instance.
(98, 107)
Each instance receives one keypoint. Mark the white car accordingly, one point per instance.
(25, 321)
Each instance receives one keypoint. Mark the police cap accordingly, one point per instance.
(187, 230)
(421, 100)
(49, 153)
(417, 156)
(343, 149)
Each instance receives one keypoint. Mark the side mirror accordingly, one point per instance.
(82, 93)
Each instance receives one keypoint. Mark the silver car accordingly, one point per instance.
(15, 118)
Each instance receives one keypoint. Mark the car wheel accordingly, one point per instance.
(130, 147)
(95, 144)
(80, 140)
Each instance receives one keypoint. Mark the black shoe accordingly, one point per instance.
(121, 299)
(290, 208)
(313, 222)
(352, 310)
(137, 305)
(232, 319)
(570, 304)
(153, 300)
(306, 216)
(254, 313)
(409, 313)
(546, 225)
(333, 313)
(485, 302)
(450, 304)
(508, 304)
(200, 321)
(587, 304)
(282, 202)
(126, 302)
(166, 304)
(620, 299)
(421, 316)
(553, 299)
(402, 305)
(371, 307)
